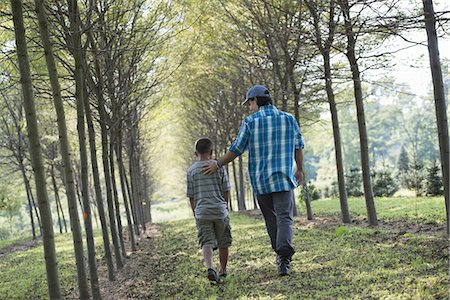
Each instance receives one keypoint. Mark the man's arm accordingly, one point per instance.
(191, 200)
(213, 167)
(299, 162)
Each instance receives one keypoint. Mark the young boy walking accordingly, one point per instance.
(208, 195)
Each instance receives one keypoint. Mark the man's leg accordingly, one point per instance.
(283, 209)
(267, 208)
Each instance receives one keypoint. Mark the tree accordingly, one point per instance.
(356, 77)
(433, 182)
(403, 161)
(439, 99)
(35, 152)
(324, 45)
(383, 183)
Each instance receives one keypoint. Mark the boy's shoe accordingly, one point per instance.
(212, 276)
(284, 266)
(222, 276)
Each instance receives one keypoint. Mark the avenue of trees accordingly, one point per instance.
(80, 79)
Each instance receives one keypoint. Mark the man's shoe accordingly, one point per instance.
(212, 276)
(284, 266)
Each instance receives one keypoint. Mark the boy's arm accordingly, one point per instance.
(226, 196)
(192, 202)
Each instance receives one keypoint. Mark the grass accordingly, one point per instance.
(332, 261)
(7, 243)
(421, 209)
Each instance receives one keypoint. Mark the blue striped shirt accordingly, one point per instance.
(271, 137)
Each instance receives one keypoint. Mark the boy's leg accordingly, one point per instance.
(224, 239)
(223, 257)
(207, 252)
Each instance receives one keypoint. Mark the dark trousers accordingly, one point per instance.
(277, 209)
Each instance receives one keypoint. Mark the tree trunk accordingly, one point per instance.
(106, 170)
(241, 200)
(439, 100)
(132, 202)
(80, 95)
(325, 51)
(97, 187)
(55, 190)
(30, 204)
(35, 152)
(115, 194)
(124, 192)
(365, 165)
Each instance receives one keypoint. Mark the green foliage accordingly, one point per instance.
(309, 191)
(354, 182)
(433, 182)
(384, 183)
(414, 179)
(341, 230)
(403, 161)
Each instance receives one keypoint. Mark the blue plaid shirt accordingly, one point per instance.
(271, 137)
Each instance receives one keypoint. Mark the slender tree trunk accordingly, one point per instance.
(124, 192)
(139, 190)
(325, 51)
(365, 165)
(106, 169)
(55, 190)
(97, 186)
(30, 205)
(241, 200)
(53, 283)
(36, 213)
(439, 100)
(80, 95)
(60, 170)
(132, 202)
(134, 189)
(115, 194)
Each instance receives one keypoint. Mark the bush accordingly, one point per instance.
(354, 182)
(311, 190)
(383, 183)
(433, 181)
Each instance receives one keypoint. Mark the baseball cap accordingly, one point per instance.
(256, 91)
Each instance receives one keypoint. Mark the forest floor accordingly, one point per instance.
(405, 257)
(398, 260)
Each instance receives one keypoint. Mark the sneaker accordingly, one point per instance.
(284, 266)
(222, 276)
(212, 276)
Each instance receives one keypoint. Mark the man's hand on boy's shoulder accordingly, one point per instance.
(211, 168)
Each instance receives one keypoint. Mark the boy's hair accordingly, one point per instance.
(203, 145)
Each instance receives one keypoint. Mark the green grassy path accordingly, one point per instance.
(406, 257)
(331, 262)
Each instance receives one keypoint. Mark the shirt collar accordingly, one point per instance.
(267, 108)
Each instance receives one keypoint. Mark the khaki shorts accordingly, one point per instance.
(214, 233)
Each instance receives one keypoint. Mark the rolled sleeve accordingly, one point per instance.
(225, 181)
(190, 186)
(240, 144)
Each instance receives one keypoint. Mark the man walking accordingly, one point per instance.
(274, 142)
